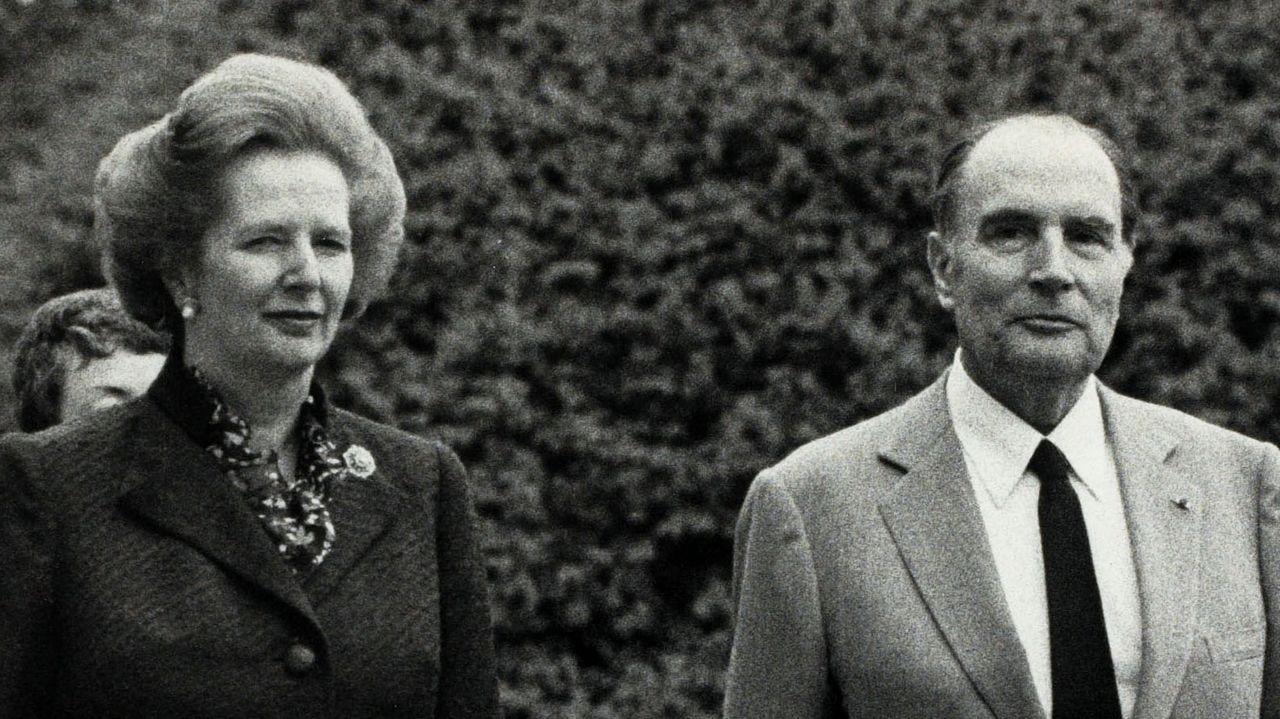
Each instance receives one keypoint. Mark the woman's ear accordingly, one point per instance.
(182, 291)
(941, 265)
(176, 286)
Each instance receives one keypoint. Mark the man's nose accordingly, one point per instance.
(1050, 269)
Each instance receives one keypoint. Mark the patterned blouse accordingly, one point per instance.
(293, 510)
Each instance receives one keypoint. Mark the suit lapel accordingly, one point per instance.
(362, 509)
(177, 487)
(935, 522)
(1165, 541)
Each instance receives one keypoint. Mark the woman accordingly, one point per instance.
(229, 545)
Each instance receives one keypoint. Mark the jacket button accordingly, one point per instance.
(299, 659)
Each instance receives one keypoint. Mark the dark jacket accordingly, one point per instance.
(135, 582)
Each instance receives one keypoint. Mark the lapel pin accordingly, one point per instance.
(359, 461)
(1182, 503)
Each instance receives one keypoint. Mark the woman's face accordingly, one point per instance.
(275, 266)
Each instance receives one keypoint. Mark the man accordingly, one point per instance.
(81, 352)
(1017, 540)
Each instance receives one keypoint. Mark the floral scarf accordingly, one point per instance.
(293, 510)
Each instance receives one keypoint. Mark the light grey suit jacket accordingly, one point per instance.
(864, 585)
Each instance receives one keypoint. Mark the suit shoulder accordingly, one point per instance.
(849, 451)
(98, 429)
(1187, 427)
(1202, 449)
(368, 430)
(404, 457)
(67, 462)
(81, 439)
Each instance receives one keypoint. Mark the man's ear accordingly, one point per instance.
(941, 265)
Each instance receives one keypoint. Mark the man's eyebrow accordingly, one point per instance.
(111, 390)
(1093, 221)
(1008, 215)
(1016, 215)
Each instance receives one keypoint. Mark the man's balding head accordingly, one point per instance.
(951, 167)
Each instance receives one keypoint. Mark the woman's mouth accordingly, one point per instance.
(295, 322)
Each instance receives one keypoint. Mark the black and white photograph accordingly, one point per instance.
(639, 359)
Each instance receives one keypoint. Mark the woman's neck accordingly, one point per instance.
(267, 401)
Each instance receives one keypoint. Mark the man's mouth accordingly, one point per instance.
(295, 314)
(1049, 322)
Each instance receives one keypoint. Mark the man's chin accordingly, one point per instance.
(1050, 364)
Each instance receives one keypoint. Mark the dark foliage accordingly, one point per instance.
(654, 246)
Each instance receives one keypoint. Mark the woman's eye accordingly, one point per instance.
(262, 242)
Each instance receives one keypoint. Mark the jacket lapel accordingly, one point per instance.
(1165, 541)
(934, 519)
(176, 487)
(362, 509)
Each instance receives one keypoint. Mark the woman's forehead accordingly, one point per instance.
(277, 187)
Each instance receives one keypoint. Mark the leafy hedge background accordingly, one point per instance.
(654, 245)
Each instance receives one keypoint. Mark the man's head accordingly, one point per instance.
(79, 352)
(1031, 249)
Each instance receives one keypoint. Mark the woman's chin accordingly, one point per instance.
(285, 355)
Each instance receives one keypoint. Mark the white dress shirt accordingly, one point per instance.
(997, 447)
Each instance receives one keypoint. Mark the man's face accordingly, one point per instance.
(99, 383)
(1034, 264)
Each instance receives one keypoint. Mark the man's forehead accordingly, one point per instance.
(1040, 157)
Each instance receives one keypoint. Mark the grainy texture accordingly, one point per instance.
(138, 583)
(865, 586)
(654, 246)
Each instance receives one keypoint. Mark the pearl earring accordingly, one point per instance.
(188, 309)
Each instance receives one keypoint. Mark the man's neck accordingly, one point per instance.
(1040, 401)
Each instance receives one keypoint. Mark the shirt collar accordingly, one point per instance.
(1001, 443)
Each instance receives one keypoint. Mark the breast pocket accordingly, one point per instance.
(1237, 644)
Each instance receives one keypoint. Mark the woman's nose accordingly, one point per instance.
(303, 267)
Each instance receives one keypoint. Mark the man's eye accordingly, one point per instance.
(1006, 233)
(1088, 235)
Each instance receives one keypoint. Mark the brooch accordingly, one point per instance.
(359, 461)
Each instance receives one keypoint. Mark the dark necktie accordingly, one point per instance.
(1084, 680)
